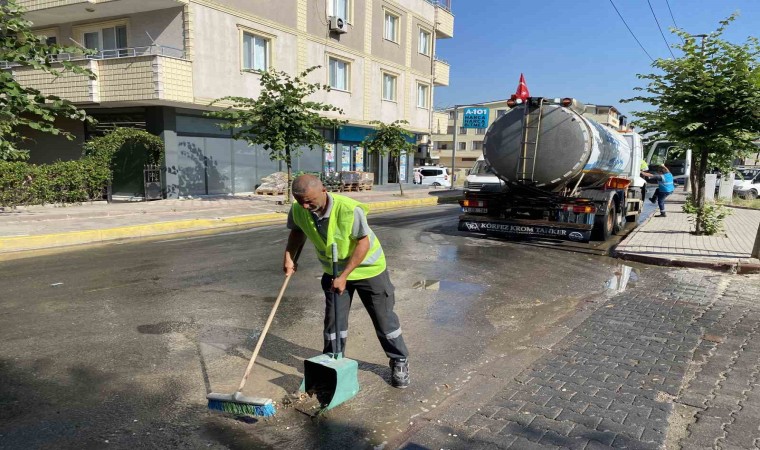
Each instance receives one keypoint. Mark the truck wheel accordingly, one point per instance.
(619, 220)
(604, 225)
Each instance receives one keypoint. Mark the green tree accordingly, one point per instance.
(25, 106)
(390, 139)
(706, 100)
(280, 119)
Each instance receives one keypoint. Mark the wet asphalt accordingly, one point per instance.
(117, 346)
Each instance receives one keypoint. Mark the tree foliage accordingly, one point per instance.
(104, 148)
(281, 119)
(22, 106)
(390, 139)
(707, 100)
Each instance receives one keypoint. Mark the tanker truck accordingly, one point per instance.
(565, 176)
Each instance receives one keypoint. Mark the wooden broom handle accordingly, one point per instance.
(266, 326)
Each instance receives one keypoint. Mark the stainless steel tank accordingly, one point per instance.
(569, 145)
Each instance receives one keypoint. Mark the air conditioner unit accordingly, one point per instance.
(338, 25)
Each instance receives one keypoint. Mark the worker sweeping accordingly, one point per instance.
(332, 218)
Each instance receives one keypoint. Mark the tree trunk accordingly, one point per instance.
(398, 175)
(699, 200)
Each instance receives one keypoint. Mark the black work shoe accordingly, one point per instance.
(400, 373)
(653, 200)
(662, 214)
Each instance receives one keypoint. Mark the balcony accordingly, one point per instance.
(123, 75)
(445, 20)
(51, 12)
(441, 71)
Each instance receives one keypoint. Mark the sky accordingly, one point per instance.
(572, 48)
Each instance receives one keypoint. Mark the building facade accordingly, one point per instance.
(160, 63)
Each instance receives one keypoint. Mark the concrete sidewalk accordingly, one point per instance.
(50, 226)
(668, 241)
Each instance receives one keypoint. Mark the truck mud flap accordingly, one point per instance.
(521, 230)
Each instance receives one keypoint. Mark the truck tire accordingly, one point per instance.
(620, 221)
(604, 225)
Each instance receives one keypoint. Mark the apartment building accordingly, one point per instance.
(160, 63)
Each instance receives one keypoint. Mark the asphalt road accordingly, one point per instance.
(116, 346)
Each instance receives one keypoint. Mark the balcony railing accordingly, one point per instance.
(130, 52)
(126, 74)
(445, 4)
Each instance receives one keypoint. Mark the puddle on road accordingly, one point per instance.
(623, 278)
(452, 299)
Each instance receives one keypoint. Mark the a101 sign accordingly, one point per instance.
(475, 118)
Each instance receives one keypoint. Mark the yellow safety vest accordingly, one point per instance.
(339, 226)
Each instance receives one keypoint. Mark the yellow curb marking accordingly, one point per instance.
(18, 243)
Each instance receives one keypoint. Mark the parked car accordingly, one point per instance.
(749, 187)
(435, 176)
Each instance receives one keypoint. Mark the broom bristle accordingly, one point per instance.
(242, 409)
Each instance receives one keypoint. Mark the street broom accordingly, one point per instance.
(237, 403)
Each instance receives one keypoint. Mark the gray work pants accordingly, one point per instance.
(377, 295)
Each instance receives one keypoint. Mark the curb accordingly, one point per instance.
(736, 267)
(45, 241)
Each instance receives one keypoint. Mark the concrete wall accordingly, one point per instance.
(283, 12)
(317, 24)
(381, 47)
(218, 52)
(47, 148)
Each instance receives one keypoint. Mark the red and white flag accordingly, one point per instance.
(522, 90)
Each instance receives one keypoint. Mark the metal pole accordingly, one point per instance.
(454, 149)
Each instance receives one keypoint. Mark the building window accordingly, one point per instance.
(452, 115)
(443, 146)
(391, 27)
(339, 8)
(110, 41)
(339, 74)
(389, 87)
(450, 129)
(480, 130)
(469, 159)
(462, 130)
(477, 145)
(255, 52)
(424, 46)
(422, 95)
(500, 112)
(463, 146)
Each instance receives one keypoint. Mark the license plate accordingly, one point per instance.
(474, 210)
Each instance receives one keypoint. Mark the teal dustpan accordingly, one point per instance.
(330, 377)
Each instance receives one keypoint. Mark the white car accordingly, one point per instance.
(749, 187)
(434, 176)
(481, 178)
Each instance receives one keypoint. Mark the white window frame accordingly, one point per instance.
(463, 146)
(426, 99)
(477, 145)
(349, 13)
(268, 38)
(396, 31)
(347, 62)
(394, 95)
(97, 27)
(429, 44)
(462, 130)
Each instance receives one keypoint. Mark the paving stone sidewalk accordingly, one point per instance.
(684, 340)
(669, 241)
